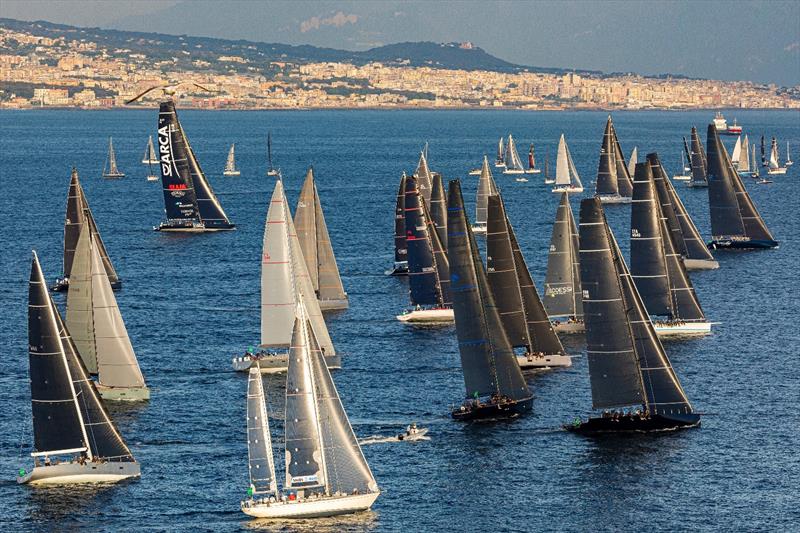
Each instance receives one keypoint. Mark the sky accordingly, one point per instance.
(730, 40)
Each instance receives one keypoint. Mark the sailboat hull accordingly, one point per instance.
(567, 188)
(123, 394)
(153, 178)
(192, 226)
(568, 326)
(774, 171)
(428, 316)
(529, 362)
(273, 363)
(614, 199)
(479, 230)
(400, 269)
(62, 285)
(731, 244)
(634, 424)
(695, 184)
(682, 329)
(700, 264)
(310, 508)
(333, 305)
(114, 176)
(511, 409)
(74, 473)
(682, 177)
(533, 171)
(231, 173)
(513, 171)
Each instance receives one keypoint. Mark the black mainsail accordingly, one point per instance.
(518, 303)
(424, 177)
(400, 248)
(562, 282)
(607, 180)
(492, 377)
(735, 221)
(438, 209)
(624, 182)
(699, 162)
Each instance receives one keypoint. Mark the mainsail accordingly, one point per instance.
(634, 158)
(562, 283)
(424, 177)
(315, 242)
(486, 187)
(149, 157)
(624, 182)
(501, 153)
(487, 357)
(259, 441)
(230, 163)
(774, 158)
(531, 159)
(607, 183)
(400, 248)
(512, 159)
(744, 156)
(521, 311)
(438, 210)
(566, 173)
(699, 162)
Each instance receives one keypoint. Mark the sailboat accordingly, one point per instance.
(150, 157)
(789, 161)
(548, 180)
(735, 221)
(567, 178)
(326, 472)
(755, 172)
(628, 366)
(737, 153)
(699, 162)
(271, 170)
(743, 168)
(400, 267)
(521, 311)
(74, 438)
(428, 267)
(632, 160)
(285, 281)
(532, 162)
(774, 164)
(500, 161)
(512, 160)
(495, 387)
(486, 187)
(624, 180)
(438, 210)
(686, 237)
(97, 328)
(424, 176)
(562, 282)
(77, 215)
(656, 265)
(687, 165)
(315, 242)
(230, 164)
(189, 201)
(607, 186)
(682, 175)
(110, 170)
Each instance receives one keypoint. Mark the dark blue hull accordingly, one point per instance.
(634, 424)
(753, 244)
(494, 411)
(192, 226)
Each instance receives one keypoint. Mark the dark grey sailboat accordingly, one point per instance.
(698, 161)
(495, 387)
(611, 170)
(400, 267)
(78, 213)
(624, 181)
(428, 266)
(657, 266)
(486, 186)
(521, 311)
(424, 176)
(628, 366)
(189, 201)
(562, 283)
(438, 209)
(735, 221)
(315, 242)
(686, 237)
(69, 420)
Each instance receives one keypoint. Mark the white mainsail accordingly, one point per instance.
(744, 156)
(486, 187)
(633, 160)
(737, 151)
(149, 157)
(230, 164)
(259, 441)
(512, 159)
(566, 173)
(774, 159)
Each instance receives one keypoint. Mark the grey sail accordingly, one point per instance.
(80, 310)
(487, 357)
(562, 281)
(725, 178)
(684, 304)
(440, 258)
(607, 182)
(486, 187)
(400, 249)
(260, 458)
(693, 245)
(648, 263)
(312, 231)
(518, 303)
(698, 160)
(438, 209)
(211, 212)
(665, 202)
(424, 177)
(744, 156)
(624, 182)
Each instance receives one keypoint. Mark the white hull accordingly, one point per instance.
(614, 199)
(150, 161)
(774, 171)
(533, 171)
(549, 182)
(667, 329)
(428, 316)
(413, 436)
(522, 180)
(73, 473)
(694, 184)
(746, 174)
(700, 264)
(563, 326)
(330, 305)
(152, 178)
(513, 171)
(499, 165)
(123, 394)
(567, 188)
(274, 363)
(683, 177)
(273, 173)
(546, 361)
(475, 172)
(479, 229)
(231, 173)
(310, 508)
(114, 176)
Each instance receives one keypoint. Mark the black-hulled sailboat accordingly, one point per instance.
(686, 237)
(562, 283)
(315, 242)
(521, 311)
(486, 187)
(428, 267)
(400, 267)
(75, 440)
(78, 214)
(735, 221)
(628, 367)
(698, 161)
(495, 387)
(657, 266)
(611, 181)
(110, 170)
(189, 201)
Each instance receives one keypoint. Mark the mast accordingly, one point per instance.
(487, 358)
(562, 284)
(486, 187)
(755, 164)
(269, 149)
(259, 441)
(400, 248)
(699, 162)
(688, 154)
(607, 183)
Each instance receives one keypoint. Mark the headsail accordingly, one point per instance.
(633, 160)
(512, 159)
(566, 173)
(607, 183)
(486, 187)
(259, 441)
(400, 248)
(699, 162)
(624, 182)
(438, 210)
(744, 156)
(562, 283)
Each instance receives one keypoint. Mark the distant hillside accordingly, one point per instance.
(187, 48)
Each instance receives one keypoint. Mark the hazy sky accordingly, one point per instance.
(752, 40)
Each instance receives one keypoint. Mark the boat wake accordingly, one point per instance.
(381, 439)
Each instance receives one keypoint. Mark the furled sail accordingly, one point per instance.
(487, 358)
(259, 441)
(607, 183)
(698, 160)
(562, 283)
(230, 163)
(180, 199)
(774, 158)
(400, 248)
(486, 187)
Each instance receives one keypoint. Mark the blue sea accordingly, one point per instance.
(190, 303)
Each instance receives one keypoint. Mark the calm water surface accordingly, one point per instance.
(191, 302)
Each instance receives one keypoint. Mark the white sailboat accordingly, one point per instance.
(97, 328)
(789, 161)
(774, 165)
(285, 281)
(567, 178)
(326, 472)
(633, 160)
(737, 152)
(682, 175)
(110, 170)
(499, 161)
(512, 160)
(149, 157)
(486, 187)
(230, 164)
(744, 167)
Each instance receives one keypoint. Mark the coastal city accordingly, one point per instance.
(66, 71)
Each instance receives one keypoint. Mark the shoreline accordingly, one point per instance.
(408, 108)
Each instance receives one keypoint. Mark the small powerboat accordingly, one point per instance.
(412, 432)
